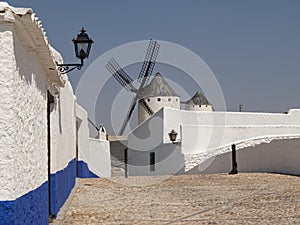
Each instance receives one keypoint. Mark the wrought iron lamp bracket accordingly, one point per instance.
(65, 68)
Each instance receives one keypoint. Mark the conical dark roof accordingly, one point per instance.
(158, 87)
(198, 99)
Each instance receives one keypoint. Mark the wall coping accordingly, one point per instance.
(34, 38)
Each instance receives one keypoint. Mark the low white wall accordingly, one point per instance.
(203, 131)
(92, 153)
(202, 135)
(277, 156)
(98, 157)
(82, 131)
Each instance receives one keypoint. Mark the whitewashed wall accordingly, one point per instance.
(99, 161)
(202, 135)
(7, 128)
(23, 122)
(203, 131)
(63, 130)
(27, 74)
(93, 154)
(23, 133)
(82, 131)
(155, 105)
(276, 155)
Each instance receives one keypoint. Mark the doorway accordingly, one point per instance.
(50, 106)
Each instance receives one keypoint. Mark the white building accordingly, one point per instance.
(43, 131)
(266, 142)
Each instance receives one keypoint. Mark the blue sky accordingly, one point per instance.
(253, 47)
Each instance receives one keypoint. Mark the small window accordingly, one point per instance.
(158, 99)
(169, 99)
(148, 99)
(176, 99)
(152, 161)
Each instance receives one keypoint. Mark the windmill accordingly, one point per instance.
(126, 81)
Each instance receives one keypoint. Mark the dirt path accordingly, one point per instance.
(187, 199)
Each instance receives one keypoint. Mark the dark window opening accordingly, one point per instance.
(158, 99)
(148, 99)
(169, 99)
(152, 161)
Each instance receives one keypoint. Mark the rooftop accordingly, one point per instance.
(158, 87)
(198, 99)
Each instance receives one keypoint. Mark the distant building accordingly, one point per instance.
(157, 94)
(198, 103)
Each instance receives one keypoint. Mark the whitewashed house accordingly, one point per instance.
(43, 131)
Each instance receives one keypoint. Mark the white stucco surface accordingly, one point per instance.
(82, 131)
(205, 131)
(63, 129)
(23, 136)
(155, 105)
(94, 152)
(7, 128)
(202, 135)
(98, 157)
(193, 107)
(276, 155)
(28, 71)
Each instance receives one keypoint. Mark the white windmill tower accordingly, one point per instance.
(157, 94)
(198, 103)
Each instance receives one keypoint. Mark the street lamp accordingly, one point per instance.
(82, 45)
(173, 135)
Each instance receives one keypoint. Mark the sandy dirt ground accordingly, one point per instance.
(253, 198)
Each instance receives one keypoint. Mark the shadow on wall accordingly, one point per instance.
(279, 156)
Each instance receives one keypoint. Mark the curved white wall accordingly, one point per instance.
(204, 131)
(204, 134)
(280, 155)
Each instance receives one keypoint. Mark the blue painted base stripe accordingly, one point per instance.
(84, 171)
(61, 185)
(31, 208)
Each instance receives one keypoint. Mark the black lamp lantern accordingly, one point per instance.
(82, 45)
(173, 135)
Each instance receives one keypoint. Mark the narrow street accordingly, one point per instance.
(187, 199)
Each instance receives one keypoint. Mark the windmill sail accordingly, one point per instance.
(120, 75)
(146, 107)
(93, 124)
(126, 81)
(129, 113)
(149, 62)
